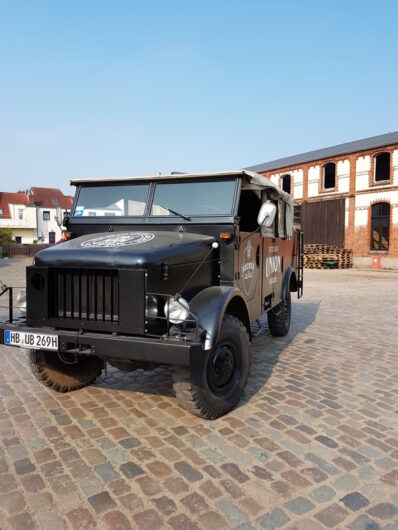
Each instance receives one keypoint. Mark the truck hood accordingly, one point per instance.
(127, 249)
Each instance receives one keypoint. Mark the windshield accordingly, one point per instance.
(194, 198)
(112, 200)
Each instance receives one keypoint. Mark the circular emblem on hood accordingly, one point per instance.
(121, 239)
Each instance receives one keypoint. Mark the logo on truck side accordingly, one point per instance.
(248, 268)
(123, 239)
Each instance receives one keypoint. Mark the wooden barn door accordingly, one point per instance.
(323, 222)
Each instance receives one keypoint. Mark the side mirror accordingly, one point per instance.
(65, 220)
(266, 215)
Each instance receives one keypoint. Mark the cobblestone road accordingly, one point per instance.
(313, 444)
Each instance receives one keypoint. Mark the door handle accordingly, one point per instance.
(258, 256)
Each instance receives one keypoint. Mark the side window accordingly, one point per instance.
(281, 219)
(249, 206)
(382, 167)
(329, 176)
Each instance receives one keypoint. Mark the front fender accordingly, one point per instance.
(210, 305)
(289, 282)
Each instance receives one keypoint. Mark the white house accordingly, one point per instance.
(18, 214)
(51, 205)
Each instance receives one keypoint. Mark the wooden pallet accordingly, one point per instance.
(321, 256)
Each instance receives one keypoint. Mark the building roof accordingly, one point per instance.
(373, 142)
(49, 198)
(7, 198)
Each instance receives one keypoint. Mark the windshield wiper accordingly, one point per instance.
(186, 217)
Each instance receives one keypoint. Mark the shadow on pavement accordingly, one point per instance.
(266, 349)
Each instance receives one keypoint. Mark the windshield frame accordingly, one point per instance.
(157, 219)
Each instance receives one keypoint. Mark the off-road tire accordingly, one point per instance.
(279, 317)
(50, 370)
(194, 390)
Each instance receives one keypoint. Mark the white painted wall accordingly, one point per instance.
(45, 227)
(275, 178)
(362, 173)
(343, 176)
(297, 188)
(25, 227)
(314, 174)
(395, 167)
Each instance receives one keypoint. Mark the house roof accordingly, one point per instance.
(381, 140)
(7, 198)
(49, 198)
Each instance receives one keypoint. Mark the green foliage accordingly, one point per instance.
(6, 236)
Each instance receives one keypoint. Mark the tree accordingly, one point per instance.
(6, 236)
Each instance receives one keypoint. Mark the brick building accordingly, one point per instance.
(349, 195)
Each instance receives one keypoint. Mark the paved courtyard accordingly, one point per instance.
(313, 444)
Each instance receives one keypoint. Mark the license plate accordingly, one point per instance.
(36, 341)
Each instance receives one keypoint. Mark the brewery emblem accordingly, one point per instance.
(121, 239)
(248, 268)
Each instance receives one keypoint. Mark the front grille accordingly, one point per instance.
(86, 294)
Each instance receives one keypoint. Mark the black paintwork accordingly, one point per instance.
(173, 248)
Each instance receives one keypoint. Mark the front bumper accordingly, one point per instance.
(174, 351)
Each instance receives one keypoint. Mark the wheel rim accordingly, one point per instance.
(222, 369)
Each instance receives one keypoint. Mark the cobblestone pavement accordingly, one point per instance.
(313, 444)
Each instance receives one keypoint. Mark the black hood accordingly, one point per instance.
(127, 249)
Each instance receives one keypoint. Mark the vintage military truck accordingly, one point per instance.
(163, 270)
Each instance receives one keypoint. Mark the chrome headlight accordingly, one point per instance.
(21, 300)
(151, 306)
(176, 310)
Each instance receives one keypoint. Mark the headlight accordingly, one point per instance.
(151, 306)
(21, 300)
(176, 310)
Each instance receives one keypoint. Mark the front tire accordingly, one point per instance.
(279, 317)
(219, 386)
(62, 373)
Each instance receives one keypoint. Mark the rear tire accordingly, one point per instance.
(224, 373)
(52, 371)
(279, 317)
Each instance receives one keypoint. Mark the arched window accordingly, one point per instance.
(329, 176)
(382, 167)
(286, 183)
(380, 226)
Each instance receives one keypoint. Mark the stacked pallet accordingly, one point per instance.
(321, 256)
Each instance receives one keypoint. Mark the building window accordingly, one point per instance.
(18, 239)
(380, 226)
(286, 183)
(329, 176)
(382, 167)
(51, 237)
(54, 200)
(20, 214)
(1, 211)
(46, 216)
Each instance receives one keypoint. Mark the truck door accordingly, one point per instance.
(273, 248)
(278, 264)
(250, 252)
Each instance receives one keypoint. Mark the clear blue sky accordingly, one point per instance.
(94, 88)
